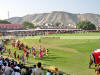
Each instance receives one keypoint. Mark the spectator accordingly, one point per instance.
(57, 72)
(27, 71)
(8, 70)
(1, 70)
(23, 71)
(38, 71)
(33, 69)
(48, 72)
(60, 73)
(16, 71)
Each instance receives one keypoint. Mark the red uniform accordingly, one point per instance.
(96, 55)
(40, 53)
(9, 52)
(15, 54)
(47, 52)
(18, 58)
(34, 54)
(24, 50)
(43, 51)
(27, 54)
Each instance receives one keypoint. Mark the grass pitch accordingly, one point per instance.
(69, 55)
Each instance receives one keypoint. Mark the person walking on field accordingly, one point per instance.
(34, 54)
(40, 53)
(18, 58)
(24, 51)
(47, 52)
(33, 48)
(27, 55)
(9, 51)
(43, 51)
(15, 54)
(23, 59)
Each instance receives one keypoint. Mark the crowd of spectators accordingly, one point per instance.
(11, 67)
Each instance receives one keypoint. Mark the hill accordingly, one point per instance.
(64, 18)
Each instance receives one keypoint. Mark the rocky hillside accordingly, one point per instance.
(56, 16)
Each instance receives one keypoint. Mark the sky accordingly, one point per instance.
(18, 8)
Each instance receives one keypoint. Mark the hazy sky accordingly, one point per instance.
(24, 7)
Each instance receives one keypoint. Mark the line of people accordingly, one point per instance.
(26, 52)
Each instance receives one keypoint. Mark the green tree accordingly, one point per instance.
(57, 24)
(4, 22)
(28, 25)
(86, 25)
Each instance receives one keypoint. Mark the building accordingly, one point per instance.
(10, 26)
(32, 32)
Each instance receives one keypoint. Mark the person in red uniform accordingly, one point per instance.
(34, 54)
(24, 51)
(27, 55)
(33, 48)
(9, 51)
(43, 51)
(15, 54)
(40, 53)
(18, 57)
(47, 52)
(95, 57)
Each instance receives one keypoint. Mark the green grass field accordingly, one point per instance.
(69, 55)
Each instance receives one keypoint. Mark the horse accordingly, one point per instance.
(21, 46)
(17, 43)
(13, 43)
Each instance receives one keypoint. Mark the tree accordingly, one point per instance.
(86, 25)
(57, 24)
(28, 25)
(4, 22)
